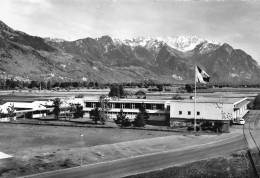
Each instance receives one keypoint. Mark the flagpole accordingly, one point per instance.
(195, 99)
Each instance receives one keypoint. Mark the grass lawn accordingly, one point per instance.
(44, 148)
(23, 139)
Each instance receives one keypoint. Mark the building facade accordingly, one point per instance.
(159, 110)
(207, 109)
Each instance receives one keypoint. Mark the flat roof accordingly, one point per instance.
(130, 101)
(212, 100)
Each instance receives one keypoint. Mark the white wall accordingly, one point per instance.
(211, 111)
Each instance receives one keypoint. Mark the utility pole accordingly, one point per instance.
(81, 160)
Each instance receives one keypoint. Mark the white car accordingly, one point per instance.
(241, 121)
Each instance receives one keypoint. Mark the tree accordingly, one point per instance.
(56, 103)
(122, 120)
(141, 117)
(103, 117)
(114, 91)
(105, 106)
(2, 114)
(121, 91)
(10, 112)
(160, 87)
(104, 102)
(33, 84)
(256, 103)
(91, 84)
(100, 114)
(43, 85)
(188, 88)
(57, 84)
(78, 111)
(94, 115)
(140, 93)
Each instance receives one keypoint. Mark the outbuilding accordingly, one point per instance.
(224, 110)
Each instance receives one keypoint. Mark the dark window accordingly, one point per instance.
(88, 104)
(180, 112)
(98, 104)
(148, 106)
(160, 106)
(127, 105)
(117, 105)
(137, 105)
(198, 113)
(93, 105)
(189, 112)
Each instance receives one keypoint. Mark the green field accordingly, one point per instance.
(44, 148)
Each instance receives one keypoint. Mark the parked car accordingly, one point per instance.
(241, 121)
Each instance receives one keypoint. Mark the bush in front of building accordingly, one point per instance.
(122, 120)
(207, 126)
(189, 88)
(217, 127)
(98, 115)
(141, 117)
(56, 103)
(191, 128)
(78, 112)
(256, 103)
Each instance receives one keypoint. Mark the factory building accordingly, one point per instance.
(173, 113)
(225, 110)
(159, 110)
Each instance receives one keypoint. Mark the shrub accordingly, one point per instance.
(141, 117)
(79, 111)
(188, 88)
(98, 115)
(122, 120)
(256, 103)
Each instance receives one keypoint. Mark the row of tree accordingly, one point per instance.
(152, 85)
(100, 115)
(72, 110)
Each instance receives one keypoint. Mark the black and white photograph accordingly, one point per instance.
(129, 88)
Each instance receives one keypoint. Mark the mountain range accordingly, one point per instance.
(105, 59)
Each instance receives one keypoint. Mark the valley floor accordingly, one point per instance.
(38, 149)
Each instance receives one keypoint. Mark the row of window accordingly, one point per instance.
(126, 105)
(189, 113)
(131, 113)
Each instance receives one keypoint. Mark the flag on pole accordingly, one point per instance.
(201, 75)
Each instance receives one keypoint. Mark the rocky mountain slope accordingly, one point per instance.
(104, 59)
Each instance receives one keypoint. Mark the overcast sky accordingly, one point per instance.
(234, 22)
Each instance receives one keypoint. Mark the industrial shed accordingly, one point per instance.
(210, 109)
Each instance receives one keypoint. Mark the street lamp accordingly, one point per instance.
(81, 141)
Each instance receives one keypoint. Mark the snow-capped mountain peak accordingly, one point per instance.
(57, 40)
(185, 43)
(181, 43)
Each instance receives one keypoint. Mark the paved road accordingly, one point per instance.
(149, 162)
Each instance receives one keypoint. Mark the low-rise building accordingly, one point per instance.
(211, 109)
(28, 110)
(158, 109)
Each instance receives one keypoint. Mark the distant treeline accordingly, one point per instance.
(10, 84)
